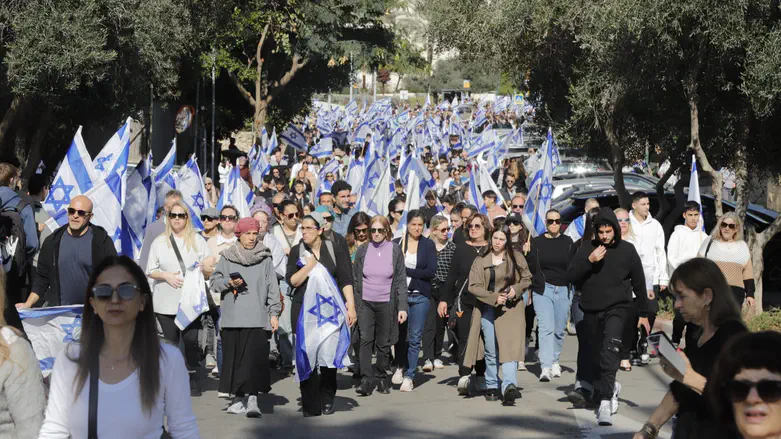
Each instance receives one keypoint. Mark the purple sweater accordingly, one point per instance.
(378, 272)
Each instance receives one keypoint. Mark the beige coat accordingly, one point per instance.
(510, 322)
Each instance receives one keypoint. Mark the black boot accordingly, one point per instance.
(511, 393)
(195, 386)
(383, 386)
(366, 387)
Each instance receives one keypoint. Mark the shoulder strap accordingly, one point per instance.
(707, 248)
(178, 255)
(92, 425)
(330, 246)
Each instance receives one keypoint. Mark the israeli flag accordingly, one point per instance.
(428, 101)
(139, 207)
(107, 207)
(323, 148)
(379, 195)
(541, 189)
(576, 228)
(351, 108)
(190, 183)
(259, 167)
(235, 193)
(494, 161)
(371, 181)
(488, 184)
(322, 334)
(50, 330)
(273, 143)
(474, 192)
(163, 175)
(75, 176)
(294, 137)
(485, 141)
(114, 155)
(454, 104)
(694, 189)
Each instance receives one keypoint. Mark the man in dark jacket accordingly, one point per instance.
(606, 271)
(68, 257)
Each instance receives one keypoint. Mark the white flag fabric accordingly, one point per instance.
(138, 210)
(193, 302)
(487, 183)
(164, 177)
(322, 334)
(541, 189)
(190, 183)
(379, 196)
(235, 193)
(114, 155)
(50, 330)
(107, 207)
(694, 189)
(75, 176)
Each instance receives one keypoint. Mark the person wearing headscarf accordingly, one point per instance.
(212, 193)
(247, 284)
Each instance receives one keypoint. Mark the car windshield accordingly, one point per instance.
(579, 167)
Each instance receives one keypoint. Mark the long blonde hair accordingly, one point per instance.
(188, 232)
(716, 232)
(5, 350)
(630, 232)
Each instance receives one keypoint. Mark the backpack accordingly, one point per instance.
(12, 239)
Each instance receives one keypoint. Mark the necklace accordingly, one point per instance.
(478, 248)
(118, 361)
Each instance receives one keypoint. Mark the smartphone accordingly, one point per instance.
(664, 346)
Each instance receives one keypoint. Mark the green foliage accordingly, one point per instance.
(666, 308)
(450, 73)
(766, 321)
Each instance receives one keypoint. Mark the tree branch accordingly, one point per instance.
(278, 86)
(237, 82)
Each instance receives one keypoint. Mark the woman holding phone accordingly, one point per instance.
(249, 294)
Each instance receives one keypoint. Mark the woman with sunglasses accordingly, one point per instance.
(357, 232)
(730, 252)
(497, 280)
(381, 299)
(549, 258)
(319, 390)
(458, 304)
(420, 260)
(703, 297)
(141, 381)
(745, 388)
(249, 294)
(630, 338)
(395, 211)
(288, 229)
(434, 331)
(212, 193)
(171, 254)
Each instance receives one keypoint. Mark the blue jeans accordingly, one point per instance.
(509, 369)
(552, 308)
(418, 310)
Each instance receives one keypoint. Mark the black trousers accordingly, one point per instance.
(401, 347)
(583, 373)
(192, 351)
(462, 332)
(318, 390)
(374, 319)
(245, 367)
(530, 316)
(603, 331)
(433, 333)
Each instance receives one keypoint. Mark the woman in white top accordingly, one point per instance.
(139, 379)
(165, 270)
(629, 341)
(22, 399)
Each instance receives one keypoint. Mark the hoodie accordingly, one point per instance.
(607, 283)
(650, 246)
(10, 199)
(684, 245)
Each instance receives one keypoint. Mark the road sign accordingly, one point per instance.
(403, 95)
(518, 100)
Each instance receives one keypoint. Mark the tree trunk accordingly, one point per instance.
(616, 158)
(664, 205)
(741, 165)
(17, 106)
(398, 83)
(34, 151)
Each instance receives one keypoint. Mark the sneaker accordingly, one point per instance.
(216, 371)
(579, 398)
(253, 411)
(645, 358)
(492, 395)
(614, 399)
(438, 364)
(406, 385)
(511, 393)
(604, 415)
(555, 370)
(481, 387)
(428, 366)
(211, 363)
(463, 385)
(398, 376)
(238, 408)
(571, 329)
(545, 375)
(224, 395)
(521, 365)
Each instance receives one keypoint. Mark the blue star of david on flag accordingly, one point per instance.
(64, 191)
(117, 235)
(322, 318)
(546, 190)
(69, 328)
(198, 200)
(101, 161)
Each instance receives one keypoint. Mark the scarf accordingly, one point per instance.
(246, 257)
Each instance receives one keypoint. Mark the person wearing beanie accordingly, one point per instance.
(249, 293)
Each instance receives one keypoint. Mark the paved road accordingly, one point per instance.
(434, 410)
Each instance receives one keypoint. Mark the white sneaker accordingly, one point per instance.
(645, 358)
(463, 385)
(438, 364)
(428, 366)
(604, 415)
(521, 365)
(614, 399)
(481, 387)
(211, 363)
(216, 371)
(238, 408)
(406, 385)
(545, 375)
(253, 411)
(555, 370)
(398, 376)
(223, 395)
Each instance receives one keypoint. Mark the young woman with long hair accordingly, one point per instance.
(729, 251)
(357, 232)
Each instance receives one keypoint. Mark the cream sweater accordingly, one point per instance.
(22, 398)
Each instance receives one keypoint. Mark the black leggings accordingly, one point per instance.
(192, 351)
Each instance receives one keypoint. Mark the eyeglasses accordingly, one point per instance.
(79, 212)
(517, 206)
(376, 230)
(361, 231)
(513, 223)
(125, 291)
(309, 228)
(552, 221)
(399, 212)
(181, 216)
(228, 218)
(731, 226)
(623, 220)
(292, 215)
(768, 390)
(207, 218)
(443, 230)
(475, 226)
(330, 219)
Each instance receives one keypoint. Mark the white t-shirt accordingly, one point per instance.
(410, 261)
(162, 257)
(120, 412)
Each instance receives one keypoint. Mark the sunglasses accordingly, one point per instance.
(292, 215)
(330, 219)
(513, 223)
(731, 226)
(79, 212)
(517, 206)
(376, 230)
(768, 390)
(361, 231)
(182, 216)
(475, 226)
(623, 220)
(125, 291)
(207, 218)
(228, 218)
(443, 230)
(399, 211)
(553, 221)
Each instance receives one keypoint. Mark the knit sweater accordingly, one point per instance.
(734, 260)
(22, 399)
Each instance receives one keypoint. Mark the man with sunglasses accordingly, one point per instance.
(68, 257)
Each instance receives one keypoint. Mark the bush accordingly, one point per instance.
(666, 308)
(767, 321)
